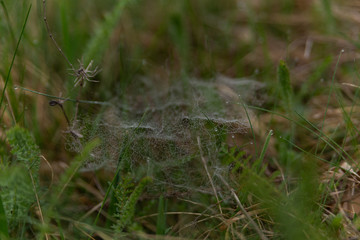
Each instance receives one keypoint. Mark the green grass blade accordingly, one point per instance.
(265, 147)
(13, 58)
(320, 135)
(98, 44)
(335, 146)
(8, 22)
(330, 93)
(74, 167)
(161, 218)
(4, 231)
(251, 127)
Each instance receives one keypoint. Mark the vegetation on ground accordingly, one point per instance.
(186, 119)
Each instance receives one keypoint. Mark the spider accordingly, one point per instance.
(84, 74)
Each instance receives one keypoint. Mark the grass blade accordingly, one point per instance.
(13, 58)
(266, 144)
(4, 231)
(97, 45)
(161, 218)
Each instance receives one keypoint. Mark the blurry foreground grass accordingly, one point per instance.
(218, 120)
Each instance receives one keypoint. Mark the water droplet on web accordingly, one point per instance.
(232, 136)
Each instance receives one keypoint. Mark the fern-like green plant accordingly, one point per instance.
(285, 84)
(127, 195)
(25, 149)
(19, 178)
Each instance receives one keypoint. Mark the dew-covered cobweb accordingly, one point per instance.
(153, 128)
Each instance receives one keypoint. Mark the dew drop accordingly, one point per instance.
(342, 50)
(271, 132)
(251, 143)
(232, 136)
(216, 129)
(16, 88)
(227, 102)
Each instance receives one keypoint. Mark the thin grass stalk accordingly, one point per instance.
(208, 175)
(251, 221)
(14, 55)
(329, 95)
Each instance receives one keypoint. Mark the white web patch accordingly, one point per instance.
(154, 130)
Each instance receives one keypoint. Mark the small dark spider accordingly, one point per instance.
(84, 74)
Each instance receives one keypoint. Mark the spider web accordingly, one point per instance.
(153, 131)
